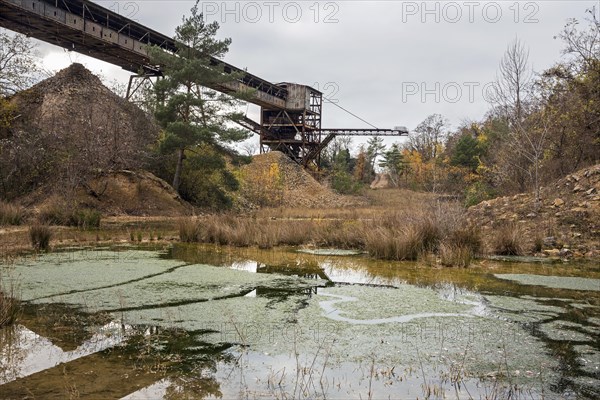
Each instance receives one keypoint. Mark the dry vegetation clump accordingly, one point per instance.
(460, 246)
(468, 237)
(507, 240)
(9, 304)
(11, 214)
(343, 234)
(40, 236)
(430, 233)
(10, 307)
(455, 255)
(399, 244)
(243, 232)
(61, 213)
(189, 231)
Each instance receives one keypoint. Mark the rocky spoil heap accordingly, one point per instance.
(74, 105)
(566, 221)
(92, 145)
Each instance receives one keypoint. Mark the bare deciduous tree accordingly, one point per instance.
(428, 137)
(513, 84)
(527, 128)
(584, 45)
(17, 63)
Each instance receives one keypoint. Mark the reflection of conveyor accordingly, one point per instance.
(305, 271)
(290, 113)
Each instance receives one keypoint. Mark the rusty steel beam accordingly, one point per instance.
(365, 132)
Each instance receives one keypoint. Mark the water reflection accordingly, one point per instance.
(23, 352)
(266, 324)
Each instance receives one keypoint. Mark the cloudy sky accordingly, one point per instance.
(390, 62)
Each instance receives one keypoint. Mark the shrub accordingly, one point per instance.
(11, 214)
(507, 241)
(85, 219)
(40, 236)
(478, 192)
(343, 183)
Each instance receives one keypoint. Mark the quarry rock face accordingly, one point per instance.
(566, 221)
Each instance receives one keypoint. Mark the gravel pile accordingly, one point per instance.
(273, 179)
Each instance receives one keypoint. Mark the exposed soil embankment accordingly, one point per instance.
(565, 223)
(132, 193)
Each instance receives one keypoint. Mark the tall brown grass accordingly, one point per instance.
(40, 236)
(398, 244)
(403, 235)
(460, 246)
(469, 237)
(11, 214)
(57, 213)
(455, 255)
(9, 303)
(188, 231)
(508, 240)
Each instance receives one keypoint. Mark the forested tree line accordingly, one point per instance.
(540, 127)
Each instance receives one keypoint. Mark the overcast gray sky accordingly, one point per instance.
(391, 62)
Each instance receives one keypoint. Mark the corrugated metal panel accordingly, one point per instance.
(34, 5)
(110, 36)
(74, 21)
(93, 29)
(125, 41)
(55, 13)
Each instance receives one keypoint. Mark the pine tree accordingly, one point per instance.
(466, 153)
(394, 163)
(190, 114)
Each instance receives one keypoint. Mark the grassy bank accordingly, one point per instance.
(396, 225)
(15, 240)
(402, 235)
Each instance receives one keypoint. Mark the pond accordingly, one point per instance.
(198, 321)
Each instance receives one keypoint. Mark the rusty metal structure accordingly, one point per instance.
(290, 113)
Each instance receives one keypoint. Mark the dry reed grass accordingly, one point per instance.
(403, 235)
(11, 214)
(10, 307)
(507, 240)
(40, 236)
